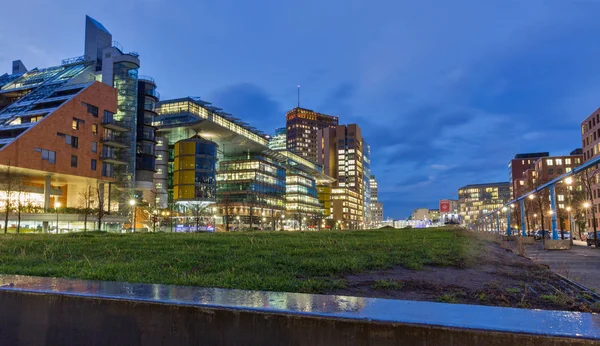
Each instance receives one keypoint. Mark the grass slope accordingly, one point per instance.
(282, 261)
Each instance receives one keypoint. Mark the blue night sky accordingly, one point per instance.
(446, 92)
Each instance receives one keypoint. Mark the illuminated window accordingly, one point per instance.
(567, 161)
(76, 122)
(549, 162)
(95, 129)
(559, 162)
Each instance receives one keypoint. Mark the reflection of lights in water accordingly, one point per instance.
(350, 303)
(278, 300)
(156, 291)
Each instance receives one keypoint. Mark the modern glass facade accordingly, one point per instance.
(194, 170)
(161, 175)
(376, 206)
(146, 133)
(302, 201)
(367, 184)
(125, 80)
(479, 199)
(278, 141)
(250, 186)
(324, 194)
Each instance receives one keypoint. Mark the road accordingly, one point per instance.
(581, 263)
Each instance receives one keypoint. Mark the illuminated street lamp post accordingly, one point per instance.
(570, 224)
(504, 209)
(508, 225)
(56, 206)
(569, 181)
(550, 213)
(587, 206)
(132, 204)
(154, 217)
(170, 220)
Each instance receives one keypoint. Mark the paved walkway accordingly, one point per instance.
(580, 264)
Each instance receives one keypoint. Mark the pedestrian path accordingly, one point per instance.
(580, 264)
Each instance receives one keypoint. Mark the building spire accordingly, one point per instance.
(298, 95)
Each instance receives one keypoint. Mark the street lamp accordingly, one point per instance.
(531, 196)
(132, 204)
(170, 220)
(154, 217)
(570, 223)
(56, 206)
(569, 181)
(587, 205)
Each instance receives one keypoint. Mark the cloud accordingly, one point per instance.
(249, 102)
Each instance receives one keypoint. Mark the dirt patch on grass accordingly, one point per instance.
(497, 277)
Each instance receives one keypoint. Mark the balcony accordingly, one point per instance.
(110, 123)
(113, 141)
(152, 93)
(146, 137)
(109, 156)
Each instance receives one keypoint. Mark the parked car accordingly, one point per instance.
(566, 234)
(538, 234)
(590, 238)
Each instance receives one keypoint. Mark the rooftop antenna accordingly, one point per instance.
(298, 95)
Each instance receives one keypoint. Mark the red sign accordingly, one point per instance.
(444, 206)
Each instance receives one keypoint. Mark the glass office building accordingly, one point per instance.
(251, 191)
(302, 200)
(194, 171)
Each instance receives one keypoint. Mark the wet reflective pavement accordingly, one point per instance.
(541, 322)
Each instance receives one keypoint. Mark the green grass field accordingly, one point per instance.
(281, 261)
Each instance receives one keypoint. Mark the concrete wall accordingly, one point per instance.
(560, 244)
(53, 319)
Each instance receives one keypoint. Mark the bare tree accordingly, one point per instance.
(199, 211)
(87, 202)
(540, 199)
(225, 204)
(577, 199)
(529, 206)
(100, 211)
(561, 213)
(589, 178)
(153, 207)
(9, 179)
(19, 187)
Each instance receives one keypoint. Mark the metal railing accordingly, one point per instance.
(549, 185)
(74, 60)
